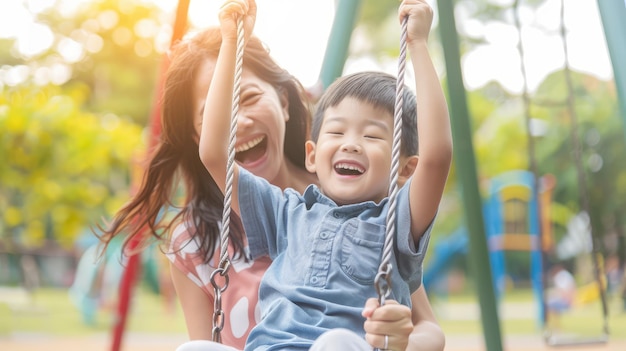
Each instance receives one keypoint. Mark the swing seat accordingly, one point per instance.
(568, 341)
(587, 294)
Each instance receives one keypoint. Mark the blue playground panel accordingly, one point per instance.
(493, 211)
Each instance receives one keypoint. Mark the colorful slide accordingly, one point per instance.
(444, 251)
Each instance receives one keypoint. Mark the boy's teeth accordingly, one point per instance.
(350, 167)
(249, 145)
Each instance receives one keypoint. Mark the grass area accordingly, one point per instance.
(518, 316)
(51, 311)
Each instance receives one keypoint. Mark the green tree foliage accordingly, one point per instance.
(500, 135)
(111, 46)
(600, 132)
(122, 75)
(62, 167)
(66, 151)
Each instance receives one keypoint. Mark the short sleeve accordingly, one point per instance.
(260, 205)
(184, 254)
(410, 254)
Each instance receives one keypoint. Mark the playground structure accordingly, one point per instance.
(479, 245)
(511, 214)
(515, 221)
(518, 221)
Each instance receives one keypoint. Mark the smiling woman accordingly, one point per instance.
(271, 141)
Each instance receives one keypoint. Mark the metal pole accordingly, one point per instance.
(339, 41)
(466, 168)
(613, 13)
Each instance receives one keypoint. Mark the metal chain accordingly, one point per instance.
(224, 264)
(382, 282)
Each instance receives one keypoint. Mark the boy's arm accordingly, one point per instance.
(215, 131)
(434, 131)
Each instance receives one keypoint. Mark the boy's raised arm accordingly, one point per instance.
(434, 131)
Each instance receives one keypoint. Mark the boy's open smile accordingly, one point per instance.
(349, 168)
(352, 155)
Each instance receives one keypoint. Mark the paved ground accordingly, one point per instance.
(147, 342)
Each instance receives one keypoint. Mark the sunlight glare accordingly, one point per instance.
(36, 6)
(94, 43)
(543, 47)
(146, 28)
(487, 63)
(14, 19)
(296, 41)
(71, 50)
(108, 19)
(60, 73)
(37, 39)
(57, 74)
(296, 31)
(500, 34)
(122, 36)
(15, 75)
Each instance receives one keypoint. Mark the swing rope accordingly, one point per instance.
(582, 181)
(224, 264)
(584, 199)
(531, 146)
(382, 282)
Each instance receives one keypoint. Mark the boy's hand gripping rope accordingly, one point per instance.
(382, 282)
(224, 264)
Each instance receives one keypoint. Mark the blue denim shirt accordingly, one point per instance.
(325, 259)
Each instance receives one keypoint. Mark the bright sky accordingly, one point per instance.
(296, 32)
(543, 48)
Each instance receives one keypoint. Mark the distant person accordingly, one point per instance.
(621, 254)
(562, 290)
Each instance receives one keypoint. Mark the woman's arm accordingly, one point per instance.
(196, 304)
(218, 107)
(427, 334)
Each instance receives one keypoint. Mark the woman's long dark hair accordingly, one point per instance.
(176, 155)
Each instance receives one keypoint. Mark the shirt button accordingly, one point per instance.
(337, 215)
(314, 280)
(324, 235)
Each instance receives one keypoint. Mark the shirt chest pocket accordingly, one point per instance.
(361, 250)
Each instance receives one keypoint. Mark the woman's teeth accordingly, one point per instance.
(249, 145)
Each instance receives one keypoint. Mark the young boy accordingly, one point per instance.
(326, 244)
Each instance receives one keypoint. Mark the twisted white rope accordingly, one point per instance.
(224, 264)
(383, 278)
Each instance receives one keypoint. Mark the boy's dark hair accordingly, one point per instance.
(378, 89)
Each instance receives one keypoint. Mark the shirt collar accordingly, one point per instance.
(312, 194)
